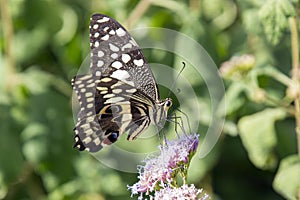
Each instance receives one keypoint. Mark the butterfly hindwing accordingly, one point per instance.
(117, 108)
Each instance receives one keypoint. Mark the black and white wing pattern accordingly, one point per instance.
(120, 93)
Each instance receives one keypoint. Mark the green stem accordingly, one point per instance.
(295, 73)
(137, 13)
(268, 99)
(8, 42)
(277, 75)
(169, 4)
(296, 77)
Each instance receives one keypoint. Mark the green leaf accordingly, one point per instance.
(11, 159)
(257, 132)
(250, 18)
(286, 181)
(274, 18)
(34, 142)
(230, 128)
(234, 98)
(36, 80)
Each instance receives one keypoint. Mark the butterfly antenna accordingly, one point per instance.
(173, 85)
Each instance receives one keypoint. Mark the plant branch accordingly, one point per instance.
(296, 77)
(295, 73)
(274, 73)
(137, 13)
(8, 42)
(169, 4)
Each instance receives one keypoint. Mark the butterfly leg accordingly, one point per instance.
(187, 119)
(179, 123)
(161, 135)
(175, 117)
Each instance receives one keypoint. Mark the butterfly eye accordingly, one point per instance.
(168, 103)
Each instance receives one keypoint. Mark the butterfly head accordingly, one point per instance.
(167, 103)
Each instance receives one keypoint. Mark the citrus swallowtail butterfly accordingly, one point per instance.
(120, 93)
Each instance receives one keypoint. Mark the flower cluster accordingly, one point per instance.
(184, 192)
(237, 66)
(159, 174)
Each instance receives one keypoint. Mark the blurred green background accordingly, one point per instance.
(43, 43)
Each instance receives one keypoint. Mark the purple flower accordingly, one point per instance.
(184, 192)
(160, 170)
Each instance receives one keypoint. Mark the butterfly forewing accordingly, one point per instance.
(120, 93)
(115, 53)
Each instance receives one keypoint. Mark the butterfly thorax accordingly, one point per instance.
(160, 111)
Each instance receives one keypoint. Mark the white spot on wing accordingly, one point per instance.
(117, 91)
(108, 96)
(120, 32)
(106, 79)
(117, 64)
(100, 63)
(114, 100)
(101, 88)
(96, 44)
(81, 86)
(96, 34)
(114, 48)
(139, 62)
(89, 132)
(89, 99)
(126, 58)
(88, 94)
(97, 141)
(90, 81)
(112, 32)
(114, 55)
(120, 74)
(127, 46)
(90, 105)
(87, 140)
(100, 53)
(95, 26)
(98, 73)
(104, 19)
(131, 90)
(105, 37)
(106, 28)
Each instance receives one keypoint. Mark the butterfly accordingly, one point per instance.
(120, 93)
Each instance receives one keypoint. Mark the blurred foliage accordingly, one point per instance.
(43, 43)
